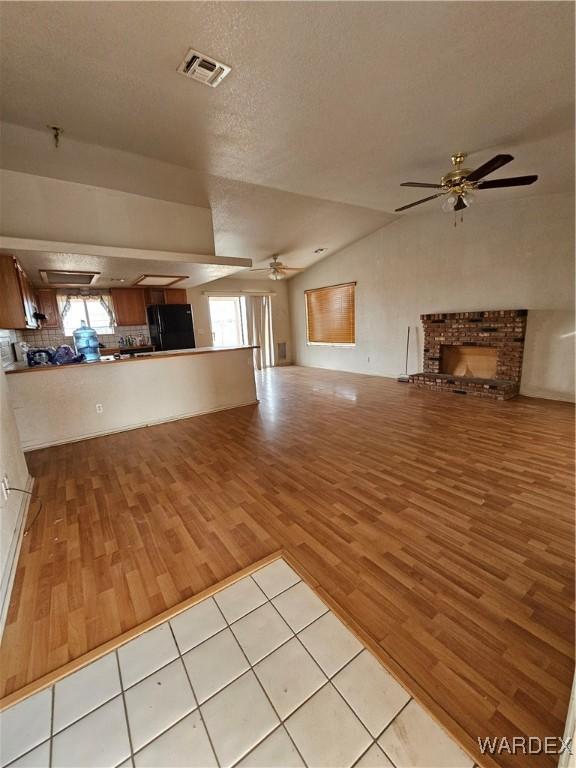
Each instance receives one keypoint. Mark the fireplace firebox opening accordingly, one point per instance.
(469, 360)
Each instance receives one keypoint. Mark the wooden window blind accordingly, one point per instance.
(330, 314)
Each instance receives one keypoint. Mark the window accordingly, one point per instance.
(94, 310)
(330, 315)
(228, 320)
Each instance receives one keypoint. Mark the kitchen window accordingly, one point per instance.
(330, 315)
(95, 310)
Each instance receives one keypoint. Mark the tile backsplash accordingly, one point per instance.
(52, 337)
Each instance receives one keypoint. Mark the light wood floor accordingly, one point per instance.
(443, 524)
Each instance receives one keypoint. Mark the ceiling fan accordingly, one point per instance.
(458, 186)
(276, 270)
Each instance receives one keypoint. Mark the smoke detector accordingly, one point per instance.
(199, 67)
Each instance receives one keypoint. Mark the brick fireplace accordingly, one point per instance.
(477, 353)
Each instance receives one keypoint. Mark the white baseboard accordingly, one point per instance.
(547, 394)
(10, 570)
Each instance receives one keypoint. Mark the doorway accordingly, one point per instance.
(228, 321)
(238, 320)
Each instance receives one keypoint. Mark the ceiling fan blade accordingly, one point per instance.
(292, 269)
(420, 184)
(492, 165)
(418, 202)
(515, 181)
(264, 269)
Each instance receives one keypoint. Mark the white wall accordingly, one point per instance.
(42, 208)
(234, 286)
(132, 394)
(13, 465)
(511, 254)
(32, 151)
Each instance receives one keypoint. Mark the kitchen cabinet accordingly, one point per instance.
(28, 298)
(154, 296)
(129, 306)
(11, 306)
(175, 296)
(48, 305)
(18, 297)
(166, 296)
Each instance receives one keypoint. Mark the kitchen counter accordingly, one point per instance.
(109, 396)
(126, 358)
(134, 349)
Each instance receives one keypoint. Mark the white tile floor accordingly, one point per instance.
(261, 675)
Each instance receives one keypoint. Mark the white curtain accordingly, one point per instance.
(259, 323)
(103, 299)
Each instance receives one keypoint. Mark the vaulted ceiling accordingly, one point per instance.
(329, 106)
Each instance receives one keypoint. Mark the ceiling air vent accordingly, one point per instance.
(203, 68)
(67, 279)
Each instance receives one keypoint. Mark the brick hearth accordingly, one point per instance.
(503, 330)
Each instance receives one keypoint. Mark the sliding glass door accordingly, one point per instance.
(228, 321)
(238, 320)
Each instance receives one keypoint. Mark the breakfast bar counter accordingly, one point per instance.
(124, 358)
(61, 404)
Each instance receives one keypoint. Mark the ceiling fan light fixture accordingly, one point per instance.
(457, 201)
(274, 275)
(456, 186)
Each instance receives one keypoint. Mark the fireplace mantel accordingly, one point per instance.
(502, 330)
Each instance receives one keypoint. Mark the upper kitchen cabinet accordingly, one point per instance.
(129, 306)
(165, 296)
(18, 304)
(154, 296)
(175, 296)
(48, 306)
(28, 293)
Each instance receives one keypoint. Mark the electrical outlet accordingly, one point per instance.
(99, 408)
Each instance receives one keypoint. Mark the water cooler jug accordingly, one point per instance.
(86, 342)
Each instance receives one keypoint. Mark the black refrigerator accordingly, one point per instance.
(171, 326)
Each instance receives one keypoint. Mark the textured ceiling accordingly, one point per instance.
(326, 101)
(250, 221)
